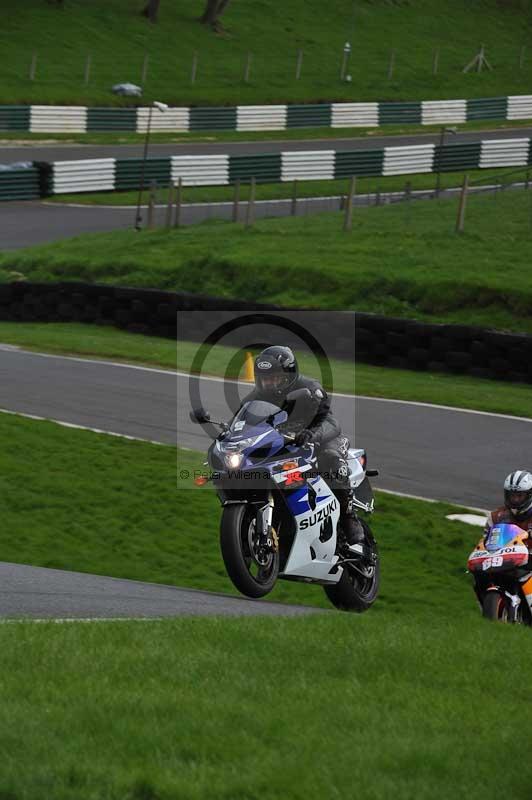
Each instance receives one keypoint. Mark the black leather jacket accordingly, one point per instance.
(313, 413)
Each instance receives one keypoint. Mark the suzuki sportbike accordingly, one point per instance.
(502, 576)
(280, 518)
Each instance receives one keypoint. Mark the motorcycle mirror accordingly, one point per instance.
(298, 394)
(199, 415)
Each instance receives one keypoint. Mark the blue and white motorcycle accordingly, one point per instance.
(280, 517)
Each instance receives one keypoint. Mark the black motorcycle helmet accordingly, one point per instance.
(276, 371)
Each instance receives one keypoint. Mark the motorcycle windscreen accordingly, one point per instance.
(256, 412)
(501, 536)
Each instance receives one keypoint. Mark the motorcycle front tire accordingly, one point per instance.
(494, 607)
(238, 559)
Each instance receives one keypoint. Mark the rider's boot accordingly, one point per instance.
(352, 527)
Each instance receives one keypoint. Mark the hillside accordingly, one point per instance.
(117, 37)
(400, 260)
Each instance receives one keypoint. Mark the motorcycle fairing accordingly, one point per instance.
(502, 548)
(313, 550)
(516, 555)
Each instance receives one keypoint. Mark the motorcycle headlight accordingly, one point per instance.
(233, 460)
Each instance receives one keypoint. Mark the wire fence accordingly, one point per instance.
(382, 66)
(461, 208)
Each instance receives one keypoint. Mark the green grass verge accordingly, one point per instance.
(208, 137)
(452, 390)
(377, 706)
(202, 708)
(330, 188)
(117, 37)
(198, 708)
(402, 260)
(93, 503)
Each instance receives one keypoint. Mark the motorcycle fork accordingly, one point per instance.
(266, 534)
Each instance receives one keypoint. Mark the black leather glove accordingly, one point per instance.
(304, 437)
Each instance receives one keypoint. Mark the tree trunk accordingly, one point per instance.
(213, 11)
(151, 10)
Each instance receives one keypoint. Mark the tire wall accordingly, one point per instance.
(385, 341)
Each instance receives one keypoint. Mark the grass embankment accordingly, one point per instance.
(332, 188)
(199, 708)
(256, 709)
(117, 37)
(94, 503)
(104, 342)
(402, 260)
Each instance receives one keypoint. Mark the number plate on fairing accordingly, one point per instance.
(505, 558)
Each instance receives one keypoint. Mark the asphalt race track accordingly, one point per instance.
(421, 450)
(30, 223)
(59, 151)
(37, 593)
(33, 222)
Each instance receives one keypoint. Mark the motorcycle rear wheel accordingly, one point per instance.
(353, 592)
(250, 577)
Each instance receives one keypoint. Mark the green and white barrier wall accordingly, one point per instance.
(80, 119)
(64, 177)
(41, 179)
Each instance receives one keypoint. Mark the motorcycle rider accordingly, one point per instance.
(277, 374)
(517, 508)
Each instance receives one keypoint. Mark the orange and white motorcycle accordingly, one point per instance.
(502, 574)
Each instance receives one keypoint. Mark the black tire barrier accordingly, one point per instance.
(383, 341)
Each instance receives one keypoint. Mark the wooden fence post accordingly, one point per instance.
(436, 61)
(250, 211)
(348, 219)
(169, 205)
(33, 66)
(460, 219)
(391, 65)
(87, 69)
(236, 200)
(145, 69)
(151, 205)
(194, 71)
(247, 71)
(299, 64)
(293, 206)
(178, 203)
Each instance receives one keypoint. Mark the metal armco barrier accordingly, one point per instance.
(403, 343)
(20, 184)
(257, 118)
(62, 177)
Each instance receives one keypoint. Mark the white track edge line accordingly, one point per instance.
(74, 425)
(164, 444)
(177, 373)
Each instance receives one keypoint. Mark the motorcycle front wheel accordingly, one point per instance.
(494, 607)
(355, 591)
(252, 573)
